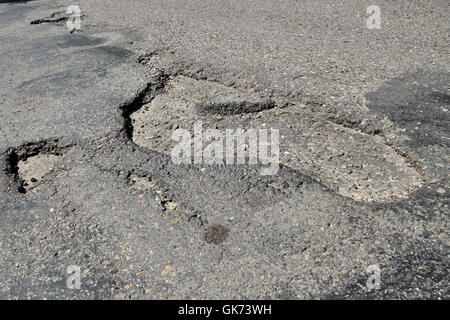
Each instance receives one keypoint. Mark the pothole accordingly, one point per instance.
(185, 99)
(354, 164)
(31, 164)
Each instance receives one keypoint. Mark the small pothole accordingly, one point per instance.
(30, 164)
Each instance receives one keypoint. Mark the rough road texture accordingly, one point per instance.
(87, 179)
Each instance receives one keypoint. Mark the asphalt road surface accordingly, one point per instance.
(93, 206)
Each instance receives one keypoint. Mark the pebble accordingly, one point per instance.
(441, 190)
(120, 296)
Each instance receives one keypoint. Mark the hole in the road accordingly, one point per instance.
(354, 163)
(157, 82)
(216, 234)
(183, 101)
(30, 164)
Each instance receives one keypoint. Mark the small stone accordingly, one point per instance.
(120, 296)
(167, 269)
(440, 190)
(171, 205)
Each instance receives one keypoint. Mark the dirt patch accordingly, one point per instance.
(350, 158)
(157, 82)
(216, 234)
(32, 171)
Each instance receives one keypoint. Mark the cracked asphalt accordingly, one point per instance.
(87, 178)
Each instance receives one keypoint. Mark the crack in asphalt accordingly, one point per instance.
(58, 17)
(158, 83)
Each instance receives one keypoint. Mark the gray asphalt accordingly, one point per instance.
(364, 163)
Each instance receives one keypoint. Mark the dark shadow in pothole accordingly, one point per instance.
(216, 234)
(417, 102)
(156, 82)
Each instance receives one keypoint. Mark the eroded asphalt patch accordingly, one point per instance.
(99, 189)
